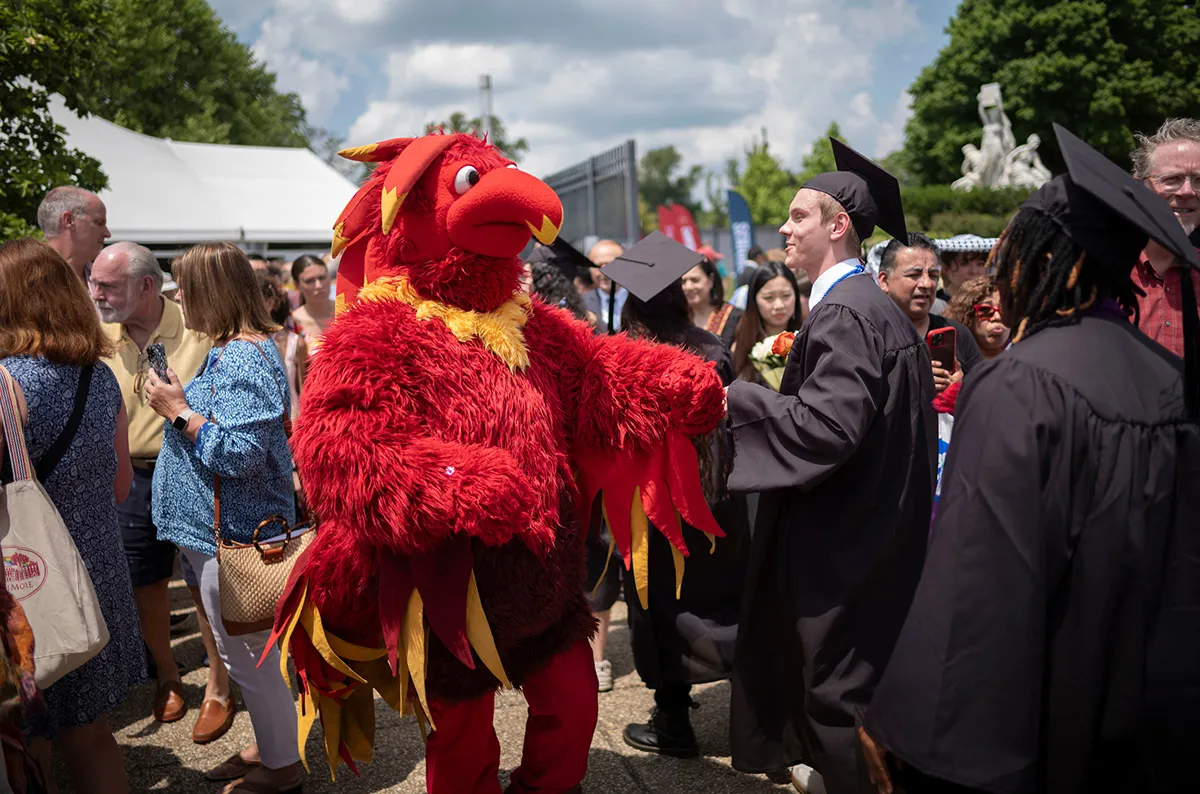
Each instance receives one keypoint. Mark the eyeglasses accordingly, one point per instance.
(1173, 183)
(986, 311)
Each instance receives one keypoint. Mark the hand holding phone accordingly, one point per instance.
(941, 343)
(157, 356)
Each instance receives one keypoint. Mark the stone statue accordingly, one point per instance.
(1023, 167)
(998, 161)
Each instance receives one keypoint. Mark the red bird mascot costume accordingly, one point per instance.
(452, 431)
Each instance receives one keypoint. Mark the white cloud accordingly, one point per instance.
(891, 132)
(576, 76)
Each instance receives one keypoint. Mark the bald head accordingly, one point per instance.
(601, 254)
(126, 280)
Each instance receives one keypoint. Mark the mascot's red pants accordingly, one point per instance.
(463, 754)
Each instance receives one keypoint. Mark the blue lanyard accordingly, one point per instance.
(857, 271)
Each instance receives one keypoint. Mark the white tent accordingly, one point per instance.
(168, 195)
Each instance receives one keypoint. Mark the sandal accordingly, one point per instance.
(258, 781)
(233, 768)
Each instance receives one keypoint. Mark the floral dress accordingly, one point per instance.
(81, 487)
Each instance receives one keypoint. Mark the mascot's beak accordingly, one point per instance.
(496, 216)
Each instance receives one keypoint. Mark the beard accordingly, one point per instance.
(109, 314)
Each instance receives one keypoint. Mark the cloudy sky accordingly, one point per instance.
(575, 77)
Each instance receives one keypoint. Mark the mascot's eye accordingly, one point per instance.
(466, 179)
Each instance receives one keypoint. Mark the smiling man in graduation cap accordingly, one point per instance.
(845, 457)
(1054, 642)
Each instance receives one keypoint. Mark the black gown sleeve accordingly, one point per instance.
(799, 439)
(960, 699)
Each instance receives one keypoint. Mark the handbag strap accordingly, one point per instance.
(14, 431)
(46, 466)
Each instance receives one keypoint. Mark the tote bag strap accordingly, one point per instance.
(45, 467)
(14, 432)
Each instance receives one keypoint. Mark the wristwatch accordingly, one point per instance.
(180, 422)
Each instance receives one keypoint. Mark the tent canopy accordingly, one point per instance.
(164, 192)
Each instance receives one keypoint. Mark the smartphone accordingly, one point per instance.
(157, 355)
(941, 347)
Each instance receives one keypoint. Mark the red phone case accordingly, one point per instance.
(943, 353)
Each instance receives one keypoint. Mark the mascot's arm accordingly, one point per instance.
(632, 408)
(371, 466)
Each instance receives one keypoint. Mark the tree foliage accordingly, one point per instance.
(766, 185)
(660, 183)
(498, 135)
(1103, 68)
(820, 159)
(174, 70)
(46, 46)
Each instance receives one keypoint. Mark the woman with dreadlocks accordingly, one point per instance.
(689, 639)
(1054, 641)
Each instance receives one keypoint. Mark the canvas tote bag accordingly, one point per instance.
(42, 567)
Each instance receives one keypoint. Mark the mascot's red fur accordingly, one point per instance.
(446, 422)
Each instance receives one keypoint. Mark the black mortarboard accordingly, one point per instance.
(561, 253)
(870, 195)
(1111, 216)
(1109, 213)
(652, 265)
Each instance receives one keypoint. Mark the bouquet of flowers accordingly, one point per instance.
(770, 356)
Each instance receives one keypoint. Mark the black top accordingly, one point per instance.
(845, 455)
(966, 349)
(1054, 642)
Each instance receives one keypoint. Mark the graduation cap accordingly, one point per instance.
(561, 253)
(1109, 213)
(870, 195)
(652, 265)
(1111, 216)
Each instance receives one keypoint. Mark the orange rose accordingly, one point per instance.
(783, 344)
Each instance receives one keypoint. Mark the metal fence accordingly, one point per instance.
(600, 197)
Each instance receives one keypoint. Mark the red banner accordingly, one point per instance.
(677, 223)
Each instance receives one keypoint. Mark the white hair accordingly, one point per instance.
(141, 262)
(1171, 130)
(67, 198)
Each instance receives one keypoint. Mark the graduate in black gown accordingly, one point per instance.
(845, 456)
(688, 640)
(1054, 642)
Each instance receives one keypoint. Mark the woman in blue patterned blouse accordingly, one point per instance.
(231, 415)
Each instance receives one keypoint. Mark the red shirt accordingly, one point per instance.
(1160, 313)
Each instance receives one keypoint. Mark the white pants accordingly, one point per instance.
(268, 698)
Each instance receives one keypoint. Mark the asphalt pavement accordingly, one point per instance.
(164, 758)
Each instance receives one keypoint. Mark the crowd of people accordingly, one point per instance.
(1035, 625)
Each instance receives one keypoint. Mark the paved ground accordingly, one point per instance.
(163, 757)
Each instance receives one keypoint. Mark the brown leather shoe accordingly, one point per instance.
(168, 702)
(214, 720)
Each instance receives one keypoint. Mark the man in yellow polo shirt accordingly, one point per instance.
(126, 285)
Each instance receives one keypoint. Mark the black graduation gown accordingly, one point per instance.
(1054, 642)
(846, 458)
(691, 640)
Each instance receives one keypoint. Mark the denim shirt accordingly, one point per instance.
(245, 443)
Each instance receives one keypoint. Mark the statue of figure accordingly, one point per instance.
(998, 139)
(972, 169)
(1024, 168)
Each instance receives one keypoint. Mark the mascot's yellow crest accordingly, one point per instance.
(500, 331)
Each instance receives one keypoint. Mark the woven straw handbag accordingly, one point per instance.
(251, 576)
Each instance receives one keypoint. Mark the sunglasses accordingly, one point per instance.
(986, 311)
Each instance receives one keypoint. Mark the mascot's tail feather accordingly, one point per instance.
(337, 679)
(661, 486)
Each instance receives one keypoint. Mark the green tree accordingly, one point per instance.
(458, 122)
(660, 182)
(1103, 68)
(174, 70)
(766, 185)
(46, 46)
(820, 159)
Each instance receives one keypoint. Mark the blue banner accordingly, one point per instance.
(741, 228)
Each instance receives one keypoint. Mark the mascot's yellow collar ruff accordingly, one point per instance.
(500, 331)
